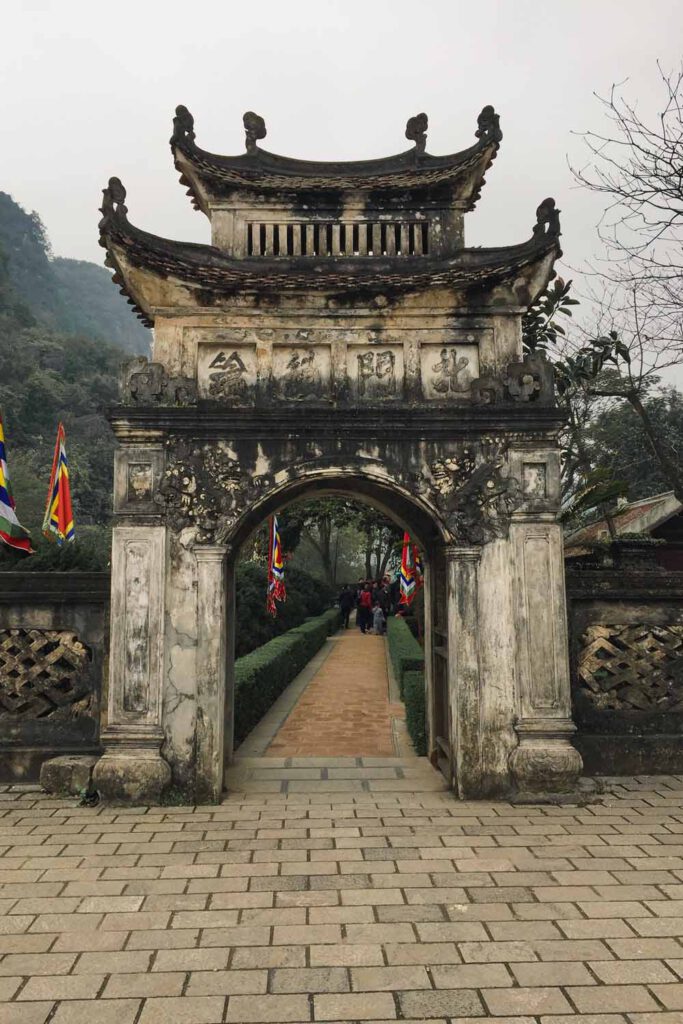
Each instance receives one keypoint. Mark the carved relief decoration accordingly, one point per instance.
(44, 674)
(632, 667)
(145, 383)
(204, 486)
(475, 492)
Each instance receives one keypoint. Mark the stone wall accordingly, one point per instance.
(53, 638)
(626, 657)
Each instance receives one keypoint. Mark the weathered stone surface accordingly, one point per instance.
(68, 775)
(131, 776)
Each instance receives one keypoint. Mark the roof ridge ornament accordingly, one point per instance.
(183, 125)
(255, 128)
(113, 203)
(547, 220)
(488, 125)
(416, 131)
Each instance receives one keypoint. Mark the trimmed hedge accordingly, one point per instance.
(404, 650)
(262, 675)
(416, 711)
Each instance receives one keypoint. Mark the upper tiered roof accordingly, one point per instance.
(211, 178)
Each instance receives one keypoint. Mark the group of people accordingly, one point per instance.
(373, 600)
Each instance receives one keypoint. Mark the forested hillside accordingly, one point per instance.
(72, 296)
(46, 376)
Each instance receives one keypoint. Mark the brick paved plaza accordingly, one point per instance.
(343, 890)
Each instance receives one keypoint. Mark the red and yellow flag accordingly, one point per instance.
(58, 524)
(411, 571)
(276, 568)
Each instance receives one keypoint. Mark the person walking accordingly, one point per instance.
(347, 602)
(378, 619)
(365, 608)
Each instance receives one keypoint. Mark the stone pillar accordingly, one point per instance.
(211, 672)
(545, 760)
(464, 681)
(132, 769)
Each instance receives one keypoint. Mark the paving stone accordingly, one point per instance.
(629, 972)
(355, 1006)
(144, 985)
(232, 982)
(611, 998)
(184, 1010)
(346, 956)
(270, 1008)
(310, 980)
(472, 976)
(30, 1013)
(533, 1001)
(79, 986)
(557, 973)
(104, 1011)
(457, 1003)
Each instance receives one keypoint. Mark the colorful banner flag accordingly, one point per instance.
(411, 577)
(58, 524)
(276, 568)
(12, 533)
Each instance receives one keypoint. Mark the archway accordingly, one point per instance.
(371, 485)
(337, 332)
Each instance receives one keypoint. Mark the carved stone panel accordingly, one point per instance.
(632, 668)
(136, 668)
(375, 372)
(448, 371)
(227, 373)
(301, 374)
(534, 480)
(137, 474)
(541, 620)
(44, 675)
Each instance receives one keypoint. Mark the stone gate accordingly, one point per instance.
(336, 336)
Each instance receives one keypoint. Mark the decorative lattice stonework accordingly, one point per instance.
(632, 668)
(44, 674)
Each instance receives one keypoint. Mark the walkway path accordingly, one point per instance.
(343, 906)
(345, 709)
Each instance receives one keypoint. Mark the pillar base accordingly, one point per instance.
(131, 771)
(545, 761)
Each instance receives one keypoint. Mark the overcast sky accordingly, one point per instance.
(89, 91)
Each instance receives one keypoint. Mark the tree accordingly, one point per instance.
(617, 441)
(635, 164)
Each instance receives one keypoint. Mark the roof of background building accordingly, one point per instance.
(642, 516)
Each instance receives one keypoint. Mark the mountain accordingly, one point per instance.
(69, 296)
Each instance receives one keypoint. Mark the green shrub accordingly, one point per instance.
(414, 700)
(306, 596)
(262, 675)
(404, 650)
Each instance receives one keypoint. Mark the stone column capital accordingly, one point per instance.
(455, 553)
(211, 552)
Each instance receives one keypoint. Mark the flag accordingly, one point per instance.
(411, 577)
(59, 520)
(12, 533)
(276, 568)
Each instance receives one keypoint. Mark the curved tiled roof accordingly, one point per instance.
(414, 170)
(213, 274)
